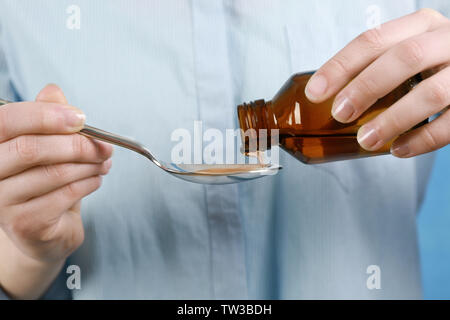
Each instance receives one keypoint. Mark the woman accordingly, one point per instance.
(334, 231)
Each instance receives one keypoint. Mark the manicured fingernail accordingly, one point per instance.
(369, 139)
(401, 150)
(316, 87)
(343, 109)
(74, 117)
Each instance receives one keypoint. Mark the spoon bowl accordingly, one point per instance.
(223, 174)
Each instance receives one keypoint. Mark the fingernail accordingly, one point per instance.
(74, 117)
(369, 139)
(108, 164)
(401, 150)
(316, 87)
(343, 109)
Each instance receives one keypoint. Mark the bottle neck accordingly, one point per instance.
(257, 122)
(414, 81)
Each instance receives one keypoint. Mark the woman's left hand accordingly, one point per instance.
(379, 61)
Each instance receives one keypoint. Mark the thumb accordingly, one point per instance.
(51, 93)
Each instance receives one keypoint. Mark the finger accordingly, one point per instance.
(25, 152)
(362, 51)
(427, 99)
(52, 93)
(44, 179)
(36, 218)
(432, 71)
(407, 59)
(430, 137)
(38, 118)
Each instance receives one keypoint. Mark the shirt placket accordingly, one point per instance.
(215, 105)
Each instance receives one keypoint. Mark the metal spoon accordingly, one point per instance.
(197, 173)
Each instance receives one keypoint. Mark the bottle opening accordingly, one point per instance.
(254, 127)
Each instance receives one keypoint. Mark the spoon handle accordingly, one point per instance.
(109, 137)
(116, 139)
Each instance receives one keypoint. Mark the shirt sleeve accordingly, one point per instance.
(3, 295)
(6, 86)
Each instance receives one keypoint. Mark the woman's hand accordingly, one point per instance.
(46, 168)
(379, 61)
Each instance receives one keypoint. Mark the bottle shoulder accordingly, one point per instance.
(303, 74)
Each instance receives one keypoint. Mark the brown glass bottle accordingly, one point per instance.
(307, 130)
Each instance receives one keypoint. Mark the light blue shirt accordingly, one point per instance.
(146, 68)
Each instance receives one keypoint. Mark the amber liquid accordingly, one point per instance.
(307, 131)
(231, 169)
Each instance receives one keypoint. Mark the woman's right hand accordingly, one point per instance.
(46, 168)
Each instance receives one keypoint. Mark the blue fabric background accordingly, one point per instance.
(434, 231)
